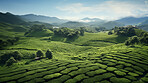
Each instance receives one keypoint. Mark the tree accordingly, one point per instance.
(127, 42)
(110, 33)
(49, 54)
(17, 55)
(39, 53)
(82, 29)
(10, 61)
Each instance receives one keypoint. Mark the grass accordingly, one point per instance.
(98, 39)
(94, 57)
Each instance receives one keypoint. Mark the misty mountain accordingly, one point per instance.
(72, 24)
(132, 20)
(10, 18)
(111, 24)
(40, 18)
(144, 22)
(144, 25)
(91, 20)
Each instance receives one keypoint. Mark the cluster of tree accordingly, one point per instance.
(48, 54)
(10, 58)
(98, 29)
(124, 31)
(69, 33)
(10, 41)
(142, 39)
(35, 28)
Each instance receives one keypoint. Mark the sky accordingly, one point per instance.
(77, 9)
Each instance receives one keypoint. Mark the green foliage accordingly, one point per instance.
(92, 73)
(8, 42)
(125, 31)
(133, 74)
(120, 73)
(145, 79)
(98, 29)
(38, 31)
(66, 32)
(16, 55)
(48, 77)
(111, 69)
(118, 80)
(39, 53)
(143, 39)
(49, 54)
(10, 61)
(110, 33)
(82, 29)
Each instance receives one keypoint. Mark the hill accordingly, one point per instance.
(41, 18)
(132, 20)
(144, 25)
(72, 24)
(72, 63)
(10, 18)
(111, 24)
(86, 58)
(11, 30)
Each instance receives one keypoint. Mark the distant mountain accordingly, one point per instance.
(72, 24)
(144, 25)
(40, 18)
(91, 20)
(10, 18)
(111, 24)
(144, 22)
(132, 20)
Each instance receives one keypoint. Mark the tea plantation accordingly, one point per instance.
(120, 64)
(92, 58)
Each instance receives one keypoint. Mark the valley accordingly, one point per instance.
(35, 52)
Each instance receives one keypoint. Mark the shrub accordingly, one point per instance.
(10, 61)
(52, 76)
(49, 54)
(145, 79)
(111, 69)
(39, 53)
(120, 73)
(17, 55)
(110, 33)
(119, 80)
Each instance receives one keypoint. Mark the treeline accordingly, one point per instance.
(136, 35)
(8, 42)
(69, 33)
(36, 28)
(124, 31)
(13, 57)
(143, 39)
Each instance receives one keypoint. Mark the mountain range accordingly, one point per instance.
(132, 20)
(41, 18)
(10, 18)
(84, 22)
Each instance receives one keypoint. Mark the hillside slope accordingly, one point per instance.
(10, 18)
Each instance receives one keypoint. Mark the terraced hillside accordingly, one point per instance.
(118, 64)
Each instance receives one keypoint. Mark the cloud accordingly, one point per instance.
(108, 9)
(74, 8)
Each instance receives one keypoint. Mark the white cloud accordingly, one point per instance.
(74, 8)
(108, 10)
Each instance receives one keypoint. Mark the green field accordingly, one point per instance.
(92, 58)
